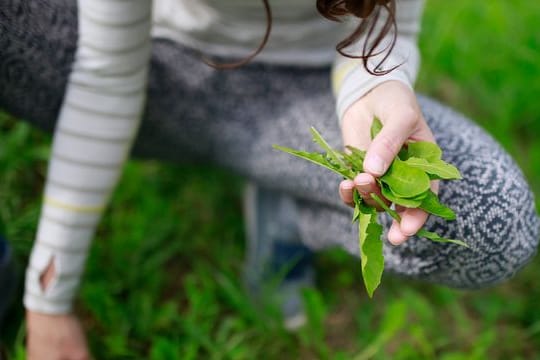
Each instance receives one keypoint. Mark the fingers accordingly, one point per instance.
(346, 192)
(395, 236)
(435, 186)
(395, 132)
(396, 106)
(365, 185)
(386, 145)
(412, 220)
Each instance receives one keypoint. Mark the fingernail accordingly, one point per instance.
(363, 189)
(362, 179)
(374, 164)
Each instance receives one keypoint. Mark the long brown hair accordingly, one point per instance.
(369, 11)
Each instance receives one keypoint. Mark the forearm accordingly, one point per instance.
(96, 127)
(351, 81)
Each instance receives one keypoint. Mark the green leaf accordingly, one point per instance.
(439, 168)
(381, 203)
(353, 162)
(331, 153)
(403, 183)
(376, 127)
(371, 247)
(419, 196)
(404, 180)
(410, 203)
(372, 259)
(318, 159)
(437, 238)
(403, 154)
(432, 205)
(424, 150)
(421, 233)
(357, 158)
(357, 198)
(356, 152)
(356, 213)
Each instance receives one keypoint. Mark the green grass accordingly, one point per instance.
(163, 281)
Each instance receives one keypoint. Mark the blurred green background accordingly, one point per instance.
(163, 281)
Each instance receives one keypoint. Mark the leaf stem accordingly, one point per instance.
(385, 207)
(421, 233)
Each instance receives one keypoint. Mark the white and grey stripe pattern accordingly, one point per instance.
(351, 81)
(96, 127)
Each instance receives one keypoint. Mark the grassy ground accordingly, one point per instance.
(163, 275)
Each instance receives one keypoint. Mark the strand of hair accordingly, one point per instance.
(246, 60)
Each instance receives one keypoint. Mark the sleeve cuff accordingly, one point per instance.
(43, 306)
(355, 90)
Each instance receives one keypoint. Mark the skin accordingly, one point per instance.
(54, 337)
(392, 102)
(395, 105)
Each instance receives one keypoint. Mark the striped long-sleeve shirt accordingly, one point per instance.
(106, 91)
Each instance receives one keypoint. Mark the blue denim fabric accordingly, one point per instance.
(8, 278)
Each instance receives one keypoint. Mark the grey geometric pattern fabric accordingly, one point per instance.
(231, 118)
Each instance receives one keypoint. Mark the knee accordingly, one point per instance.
(503, 231)
(495, 209)
(496, 217)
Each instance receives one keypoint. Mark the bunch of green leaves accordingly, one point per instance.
(406, 183)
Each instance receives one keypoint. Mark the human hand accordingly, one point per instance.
(396, 106)
(55, 337)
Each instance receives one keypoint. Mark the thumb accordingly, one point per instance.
(385, 146)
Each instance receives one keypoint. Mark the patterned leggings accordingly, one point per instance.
(231, 118)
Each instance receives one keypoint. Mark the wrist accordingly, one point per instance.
(357, 88)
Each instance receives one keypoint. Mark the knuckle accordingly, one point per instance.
(409, 117)
(389, 144)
